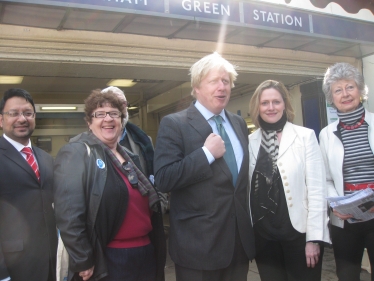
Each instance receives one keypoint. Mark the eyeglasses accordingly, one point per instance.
(16, 114)
(103, 114)
(131, 173)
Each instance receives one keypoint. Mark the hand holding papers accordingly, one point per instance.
(357, 204)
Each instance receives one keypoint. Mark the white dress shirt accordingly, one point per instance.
(19, 147)
(238, 150)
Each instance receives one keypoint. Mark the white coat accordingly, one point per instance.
(303, 176)
(333, 155)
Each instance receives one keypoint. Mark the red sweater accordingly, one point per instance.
(137, 222)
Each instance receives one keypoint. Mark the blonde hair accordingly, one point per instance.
(254, 104)
(202, 67)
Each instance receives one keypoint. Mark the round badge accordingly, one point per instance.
(100, 163)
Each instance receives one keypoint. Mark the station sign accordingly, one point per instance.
(142, 5)
(275, 17)
(241, 13)
(221, 10)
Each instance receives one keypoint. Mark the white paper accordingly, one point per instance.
(357, 204)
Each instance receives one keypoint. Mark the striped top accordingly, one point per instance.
(358, 165)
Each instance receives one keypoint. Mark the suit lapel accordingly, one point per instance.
(288, 137)
(255, 142)
(197, 121)
(13, 155)
(42, 168)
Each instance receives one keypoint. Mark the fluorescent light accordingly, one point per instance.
(132, 107)
(62, 108)
(121, 83)
(58, 108)
(250, 126)
(10, 79)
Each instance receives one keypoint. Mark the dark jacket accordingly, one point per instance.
(28, 236)
(78, 189)
(206, 209)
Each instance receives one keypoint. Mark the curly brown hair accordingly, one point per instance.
(97, 99)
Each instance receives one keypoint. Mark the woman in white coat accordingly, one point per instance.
(347, 147)
(288, 190)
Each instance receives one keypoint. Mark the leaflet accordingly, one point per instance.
(357, 204)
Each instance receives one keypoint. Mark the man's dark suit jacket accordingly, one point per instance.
(205, 206)
(28, 237)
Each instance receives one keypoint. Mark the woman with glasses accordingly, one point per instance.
(347, 147)
(107, 211)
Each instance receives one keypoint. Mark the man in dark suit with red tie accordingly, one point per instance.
(28, 237)
(201, 157)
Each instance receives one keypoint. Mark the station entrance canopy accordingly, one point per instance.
(250, 23)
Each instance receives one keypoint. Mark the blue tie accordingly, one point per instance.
(229, 155)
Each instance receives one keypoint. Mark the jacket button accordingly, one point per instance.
(280, 163)
(284, 177)
(289, 198)
(290, 205)
(286, 183)
(287, 191)
(282, 171)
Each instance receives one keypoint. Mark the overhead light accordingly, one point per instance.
(58, 108)
(121, 83)
(132, 107)
(10, 79)
(250, 126)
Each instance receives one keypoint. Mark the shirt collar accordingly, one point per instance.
(16, 145)
(206, 113)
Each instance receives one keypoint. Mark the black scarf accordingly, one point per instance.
(145, 144)
(266, 191)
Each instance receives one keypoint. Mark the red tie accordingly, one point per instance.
(31, 160)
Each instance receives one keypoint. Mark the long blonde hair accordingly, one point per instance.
(254, 104)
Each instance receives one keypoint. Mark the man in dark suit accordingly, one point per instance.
(28, 237)
(205, 167)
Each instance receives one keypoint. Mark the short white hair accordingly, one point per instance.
(343, 71)
(115, 90)
(122, 96)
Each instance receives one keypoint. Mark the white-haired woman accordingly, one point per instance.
(347, 147)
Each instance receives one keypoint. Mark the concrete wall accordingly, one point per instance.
(368, 72)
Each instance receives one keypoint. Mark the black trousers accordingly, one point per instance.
(236, 271)
(285, 260)
(348, 244)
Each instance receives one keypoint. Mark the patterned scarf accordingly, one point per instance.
(144, 186)
(266, 191)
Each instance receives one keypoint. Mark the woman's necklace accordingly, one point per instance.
(355, 126)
